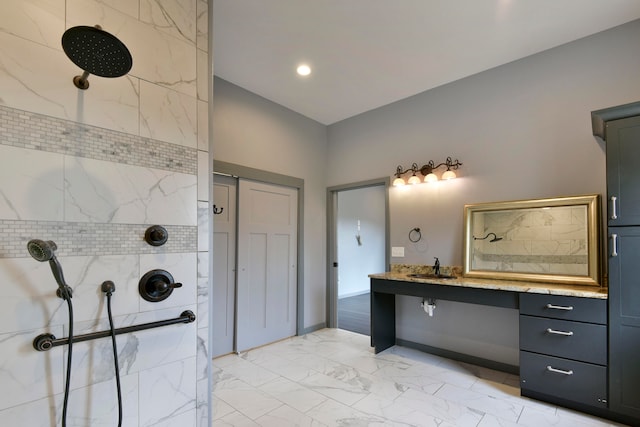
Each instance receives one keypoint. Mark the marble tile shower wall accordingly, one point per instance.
(92, 170)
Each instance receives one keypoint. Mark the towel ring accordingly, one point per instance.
(415, 235)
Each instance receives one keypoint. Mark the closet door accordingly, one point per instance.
(224, 264)
(267, 270)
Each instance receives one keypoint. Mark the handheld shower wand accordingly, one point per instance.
(45, 251)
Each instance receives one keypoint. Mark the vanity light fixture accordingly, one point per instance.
(427, 171)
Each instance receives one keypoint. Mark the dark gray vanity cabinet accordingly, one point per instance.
(623, 172)
(619, 127)
(624, 321)
(563, 349)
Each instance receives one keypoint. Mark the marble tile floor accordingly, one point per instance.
(332, 378)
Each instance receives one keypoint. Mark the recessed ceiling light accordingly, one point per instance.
(303, 70)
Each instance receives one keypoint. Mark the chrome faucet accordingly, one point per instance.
(436, 267)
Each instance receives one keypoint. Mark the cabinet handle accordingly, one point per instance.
(614, 214)
(560, 307)
(614, 245)
(553, 331)
(559, 371)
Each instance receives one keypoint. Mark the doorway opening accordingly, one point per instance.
(358, 236)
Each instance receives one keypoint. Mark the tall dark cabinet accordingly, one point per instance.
(619, 127)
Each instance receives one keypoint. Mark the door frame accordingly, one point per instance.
(239, 171)
(332, 239)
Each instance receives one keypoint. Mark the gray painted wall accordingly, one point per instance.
(251, 131)
(522, 131)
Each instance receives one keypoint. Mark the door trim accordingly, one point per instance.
(239, 171)
(332, 241)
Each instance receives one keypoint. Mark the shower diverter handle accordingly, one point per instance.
(157, 285)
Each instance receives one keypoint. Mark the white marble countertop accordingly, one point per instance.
(504, 285)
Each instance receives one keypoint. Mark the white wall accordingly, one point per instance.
(252, 131)
(357, 261)
(92, 170)
(522, 131)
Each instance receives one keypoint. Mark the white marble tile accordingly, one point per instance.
(166, 392)
(108, 103)
(286, 416)
(130, 7)
(167, 115)
(34, 192)
(235, 419)
(447, 410)
(203, 75)
(100, 191)
(204, 178)
(334, 413)
(220, 408)
(245, 398)
(397, 412)
(293, 394)
(41, 21)
(203, 265)
(183, 268)
(506, 410)
(97, 405)
(492, 421)
(27, 374)
(29, 298)
(286, 368)
(203, 302)
(203, 126)
(203, 226)
(202, 25)
(174, 17)
(86, 275)
(334, 389)
(38, 413)
(248, 372)
(202, 354)
(180, 420)
(202, 404)
(531, 417)
(157, 57)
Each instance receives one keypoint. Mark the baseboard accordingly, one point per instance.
(313, 328)
(461, 357)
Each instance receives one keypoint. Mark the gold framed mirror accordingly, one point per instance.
(543, 240)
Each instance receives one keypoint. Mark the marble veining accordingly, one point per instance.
(319, 380)
(400, 272)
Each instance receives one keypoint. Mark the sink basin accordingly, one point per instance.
(430, 276)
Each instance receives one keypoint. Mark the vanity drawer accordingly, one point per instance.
(566, 379)
(586, 342)
(591, 310)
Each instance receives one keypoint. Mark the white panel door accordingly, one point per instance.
(224, 264)
(267, 270)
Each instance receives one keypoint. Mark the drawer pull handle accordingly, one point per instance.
(614, 245)
(553, 331)
(559, 371)
(614, 214)
(560, 307)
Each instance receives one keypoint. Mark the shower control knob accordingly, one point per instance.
(156, 235)
(157, 285)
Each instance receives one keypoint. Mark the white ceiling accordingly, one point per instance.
(369, 53)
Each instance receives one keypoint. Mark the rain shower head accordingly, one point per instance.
(96, 52)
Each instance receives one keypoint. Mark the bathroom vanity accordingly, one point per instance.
(562, 331)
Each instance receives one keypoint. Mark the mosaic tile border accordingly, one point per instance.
(34, 131)
(79, 238)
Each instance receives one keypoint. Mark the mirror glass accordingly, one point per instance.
(551, 240)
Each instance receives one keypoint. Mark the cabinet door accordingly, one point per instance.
(623, 171)
(624, 320)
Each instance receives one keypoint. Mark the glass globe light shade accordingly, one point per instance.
(449, 174)
(398, 182)
(414, 180)
(431, 177)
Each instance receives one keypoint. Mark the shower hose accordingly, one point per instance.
(108, 288)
